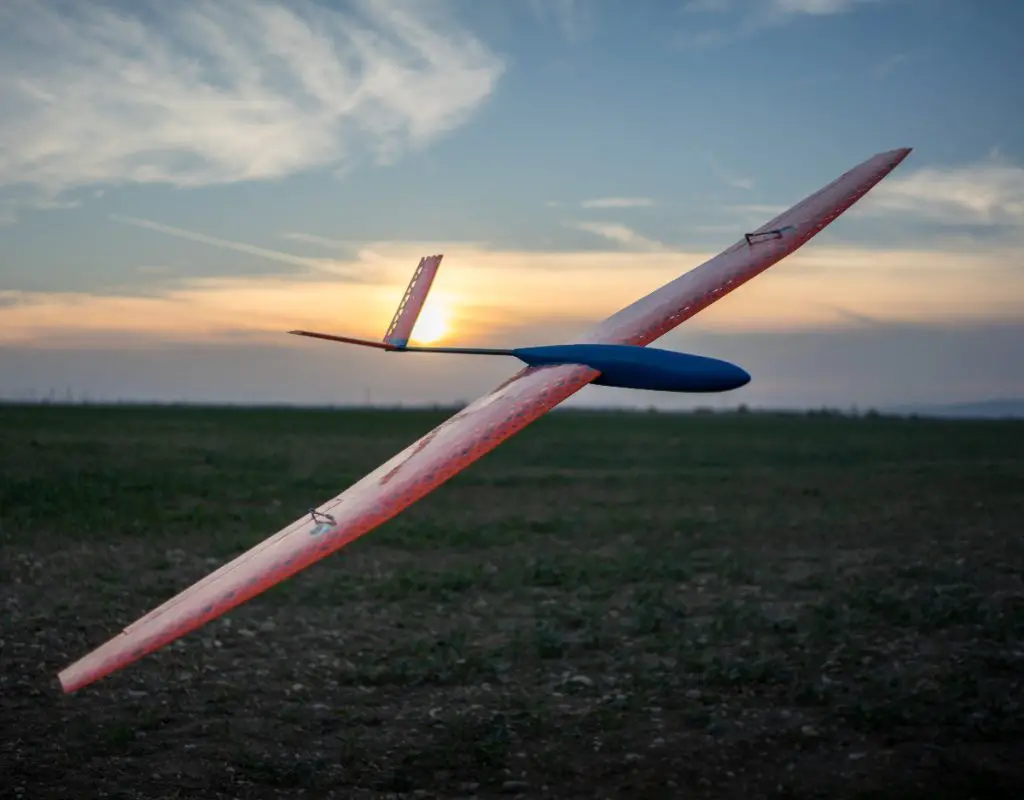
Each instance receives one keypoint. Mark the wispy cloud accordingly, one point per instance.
(990, 192)
(319, 241)
(857, 318)
(731, 228)
(985, 193)
(708, 6)
(883, 68)
(758, 208)
(191, 94)
(320, 264)
(11, 205)
(754, 214)
(618, 202)
(485, 290)
(728, 177)
(573, 18)
(814, 7)
(620, 234)
(742, 18)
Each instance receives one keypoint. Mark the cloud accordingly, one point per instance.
(620, 234)
(857, 318)
(708, 6)
(747, 17)
(573, 18)
(731, 228)
(758, 208)
(319, 241)
(883, 68)
(735, 181)
(191, 94)
(775, 8)
(320, 264)
(10, 206)
(618, 202)
(750, 215)
(812, 305)
(54, 205)
(814, 7)
(986, 193)
(606, 202)
(494, 297)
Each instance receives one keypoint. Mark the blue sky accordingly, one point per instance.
(181, 183)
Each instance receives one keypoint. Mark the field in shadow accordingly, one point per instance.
(609, 605)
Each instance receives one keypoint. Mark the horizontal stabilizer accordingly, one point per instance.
(346, 339)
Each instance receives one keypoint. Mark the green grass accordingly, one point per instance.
(632, 605)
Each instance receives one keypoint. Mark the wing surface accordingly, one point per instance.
(656, 314)
(469, 434)
(396, 484)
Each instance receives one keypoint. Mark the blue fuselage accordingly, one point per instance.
(631, 367)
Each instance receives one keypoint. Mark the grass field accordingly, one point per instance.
(643, 605)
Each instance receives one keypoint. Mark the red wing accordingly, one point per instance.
(664, 309)
(413, 473)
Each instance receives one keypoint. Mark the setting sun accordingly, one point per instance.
(431, 326)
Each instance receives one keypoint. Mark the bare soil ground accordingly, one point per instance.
(610, 605)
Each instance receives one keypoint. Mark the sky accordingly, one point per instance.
(182, 183)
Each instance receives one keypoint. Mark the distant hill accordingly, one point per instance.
(984, 409)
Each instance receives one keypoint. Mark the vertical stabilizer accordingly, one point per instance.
(412, 302)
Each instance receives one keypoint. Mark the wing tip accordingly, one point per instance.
(70, 680)
(96, 664)
(88, 669)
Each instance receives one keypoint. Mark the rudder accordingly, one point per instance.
(409, 308)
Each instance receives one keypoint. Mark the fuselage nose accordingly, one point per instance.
(740, 376)
(725, 376)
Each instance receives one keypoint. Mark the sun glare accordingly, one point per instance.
(431, 326)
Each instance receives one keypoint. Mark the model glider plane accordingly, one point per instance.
(613, 354)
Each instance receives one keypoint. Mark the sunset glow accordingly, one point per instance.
(432, 326)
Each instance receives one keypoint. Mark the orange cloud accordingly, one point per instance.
(484, 293)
